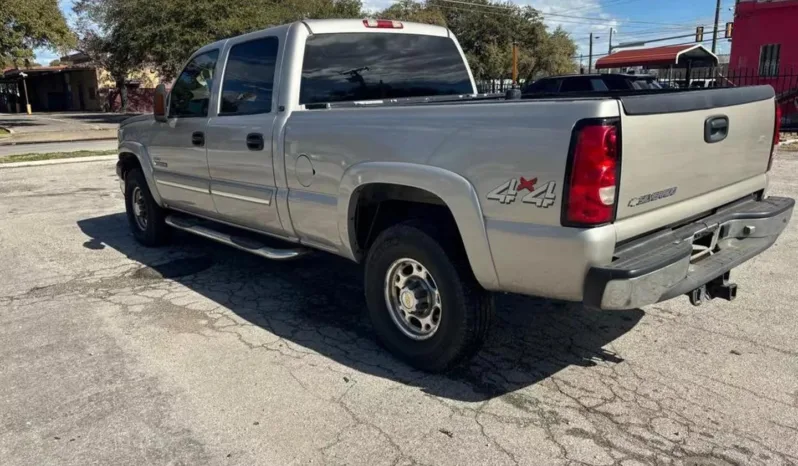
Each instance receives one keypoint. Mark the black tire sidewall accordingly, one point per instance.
(408, 242)
(149, 236)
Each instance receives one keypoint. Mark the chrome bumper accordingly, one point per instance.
(663, 266)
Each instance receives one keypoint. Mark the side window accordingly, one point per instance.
(248, 82)
(616, 84)
(598, 84)
(191, 93)
(544, 85)
(576, 85)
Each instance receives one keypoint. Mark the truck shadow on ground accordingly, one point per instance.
(317, 303)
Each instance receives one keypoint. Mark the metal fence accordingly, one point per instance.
(784, 81)
(493, 86)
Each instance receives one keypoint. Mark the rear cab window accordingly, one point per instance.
(346, 67)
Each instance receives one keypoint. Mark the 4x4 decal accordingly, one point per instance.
(541, 196)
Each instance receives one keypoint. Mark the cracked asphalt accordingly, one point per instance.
(111, 353)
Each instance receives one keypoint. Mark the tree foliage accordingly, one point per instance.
(28, 24)
(487, 35)
(164, 33)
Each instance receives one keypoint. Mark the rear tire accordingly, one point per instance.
(144, 215)
(424, 302)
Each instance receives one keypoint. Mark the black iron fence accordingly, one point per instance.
(784, 81)
(494, 86)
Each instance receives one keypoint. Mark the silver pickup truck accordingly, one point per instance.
(366, 139)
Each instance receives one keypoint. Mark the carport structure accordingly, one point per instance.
(664, 57)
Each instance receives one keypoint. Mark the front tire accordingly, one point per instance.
(425, 304)
(144, 215)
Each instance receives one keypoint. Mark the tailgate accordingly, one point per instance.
(674, 147)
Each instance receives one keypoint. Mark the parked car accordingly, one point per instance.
(591, 83)
(366, 139)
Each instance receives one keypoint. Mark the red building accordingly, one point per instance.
(764, 37)
(765, 48)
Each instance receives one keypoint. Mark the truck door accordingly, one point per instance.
(239, 136)
(178, 146)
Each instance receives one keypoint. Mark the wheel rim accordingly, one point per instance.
(413, 299)
(139, 208)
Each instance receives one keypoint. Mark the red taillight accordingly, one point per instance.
(594, 175)
(776, 134)
(382, 24)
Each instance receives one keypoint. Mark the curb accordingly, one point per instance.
(39, 163)
(57, 141)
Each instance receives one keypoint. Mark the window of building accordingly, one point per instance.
(769, 59)
(191, 93)
(92, 93)
(248, 83)
(369, 66)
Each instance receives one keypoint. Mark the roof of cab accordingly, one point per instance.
(326, 26)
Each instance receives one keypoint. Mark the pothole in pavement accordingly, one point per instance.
(174, 269)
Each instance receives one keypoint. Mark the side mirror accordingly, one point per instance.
(159, 104)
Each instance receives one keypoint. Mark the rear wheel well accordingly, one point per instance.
(380, 206)
(127, 162)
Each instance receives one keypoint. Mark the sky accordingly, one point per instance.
(631, 20)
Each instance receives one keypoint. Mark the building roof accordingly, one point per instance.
(660, 57)
(15, 72)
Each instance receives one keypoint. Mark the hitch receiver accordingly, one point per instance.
(719, 287)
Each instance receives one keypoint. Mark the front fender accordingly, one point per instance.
(456, 192)
(145, 161)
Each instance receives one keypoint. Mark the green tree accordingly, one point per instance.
(487, 35)
(410, 10)
(164, 33)
(55, 62)
(28, 24)
(108, 36)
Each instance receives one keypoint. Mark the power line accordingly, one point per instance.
(478, 5)
(596, 6)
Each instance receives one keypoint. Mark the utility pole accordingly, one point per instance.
(25, 87)
(609, 50)
(715, 29)
(590, 55)
(515, 64)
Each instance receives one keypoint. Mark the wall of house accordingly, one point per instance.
(84, 90)
(758, 23)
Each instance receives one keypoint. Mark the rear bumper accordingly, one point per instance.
(659, 267)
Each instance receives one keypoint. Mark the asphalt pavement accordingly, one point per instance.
(51, 147)
(112, 353)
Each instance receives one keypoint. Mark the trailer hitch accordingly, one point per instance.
(719, 287)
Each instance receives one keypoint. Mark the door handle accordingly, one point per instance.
(716, 128)
(255, 141)
(198, 138)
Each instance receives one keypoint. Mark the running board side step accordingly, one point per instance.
(243, 243)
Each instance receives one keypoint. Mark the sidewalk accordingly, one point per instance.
(60, 127)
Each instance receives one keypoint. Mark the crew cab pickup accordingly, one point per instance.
(366, 139)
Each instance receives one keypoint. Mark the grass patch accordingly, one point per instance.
(4, 133)
(54, 155)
